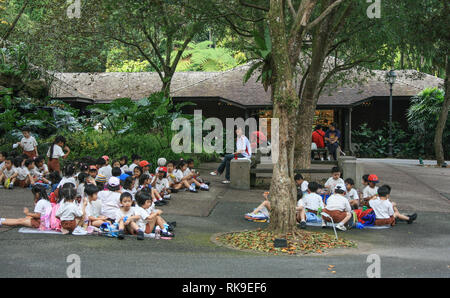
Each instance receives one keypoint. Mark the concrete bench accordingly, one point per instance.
(240, 173)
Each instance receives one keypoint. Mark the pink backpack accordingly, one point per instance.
(55, 223)
(45, 220)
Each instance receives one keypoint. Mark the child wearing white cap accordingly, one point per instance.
(110, 198)
(338, 208)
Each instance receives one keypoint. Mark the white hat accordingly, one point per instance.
(340, 186)
(114, 181)
(162, 162)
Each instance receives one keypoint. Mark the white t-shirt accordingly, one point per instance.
(161, 183)
(331, 183)
(8, 173)
(65, 180)
(369, 191)
(124, 169)
(110, 201)
(178, 175)
(383, 208)
(43, 169)
(22, 172)
(42, 206)
(131, 167)
(28, 144)
(93, 209)
(57, 151)
(2, 165)
(312, 201)
(121, 214)
(338, 202)
(304, 186)
(143, 214)
(68, 211)
(352, 195)
(243, 144)
(105, 171)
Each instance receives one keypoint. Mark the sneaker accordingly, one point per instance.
(213, 173)
(324, 224)
(121, 234)
(412, 218)
(341, 227)
(207, 182)
(160, 203)
(192, 188)
(140, 235)
(303, 225)
(1, 187)
(204, 187)
(226, 182)
(11, 186)
(79, 231)
(167, 234)
(166, 197)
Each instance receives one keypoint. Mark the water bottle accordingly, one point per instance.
(157, 233)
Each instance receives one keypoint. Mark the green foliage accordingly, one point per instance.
(406, 144)
(261, 53)
(203, 57)
(94, 144)
(423, 116)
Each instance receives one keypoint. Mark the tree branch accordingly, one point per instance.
(253, 6)
(291, 7)
(324, 14)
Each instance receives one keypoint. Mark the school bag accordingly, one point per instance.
(45, 220)
(55, 223)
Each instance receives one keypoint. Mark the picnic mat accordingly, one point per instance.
(37, 231)
(319, 224)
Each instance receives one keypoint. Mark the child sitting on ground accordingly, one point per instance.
(24, 177)
(334, 180)
(110, 199)
(311, 202)
(188, 181)
(32, 219)
(149, 217)
(338, 208)
(371, 190)
(174, 179)
(3, 156)
(92, 208)
(8, 174)
(385, 211)
(145, 184)
(301, 183)
(351, 194)
(161, 184)
(68, 212)
(262, 212)
(124, 164)
(126, 216)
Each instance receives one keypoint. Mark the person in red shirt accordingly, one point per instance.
(318, 138)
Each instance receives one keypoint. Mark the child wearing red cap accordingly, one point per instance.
(161, 183)
(371, 190)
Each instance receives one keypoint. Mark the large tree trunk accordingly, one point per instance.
(442, 122)
(309, 98)
(285, 100)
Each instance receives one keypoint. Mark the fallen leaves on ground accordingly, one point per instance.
(303, 242)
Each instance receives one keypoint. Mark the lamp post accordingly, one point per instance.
(391, 76)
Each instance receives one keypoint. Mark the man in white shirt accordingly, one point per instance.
(338, 208)
(243, 150)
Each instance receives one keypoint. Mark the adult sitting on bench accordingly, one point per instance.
(244, 150)
(318, 139)
(332, 137)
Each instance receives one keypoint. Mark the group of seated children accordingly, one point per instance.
(339, 202)
(94, 193)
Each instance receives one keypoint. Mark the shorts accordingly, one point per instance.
(53, 165)
(35, 223)
(69, 225)
(385, 221)
(30, 154)
(337, 215)
(21, 183)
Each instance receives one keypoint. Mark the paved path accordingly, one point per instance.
(418, 250)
